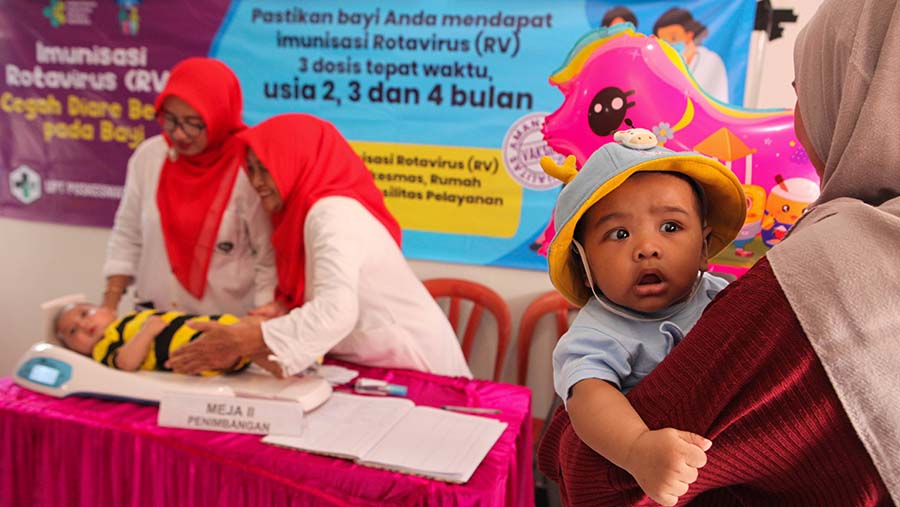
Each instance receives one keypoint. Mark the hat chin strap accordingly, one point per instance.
(620, 310)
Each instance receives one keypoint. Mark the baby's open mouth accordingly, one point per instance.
(649, 279)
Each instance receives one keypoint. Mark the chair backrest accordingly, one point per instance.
(549, 302)
(481, 297)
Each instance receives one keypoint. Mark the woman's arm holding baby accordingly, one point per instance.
(116, 285)
(664, 462)
(131, 355)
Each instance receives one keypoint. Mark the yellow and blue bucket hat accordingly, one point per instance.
(636, 150)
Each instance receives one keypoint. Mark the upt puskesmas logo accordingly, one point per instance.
(69, 12)
(56, 13)
(25, 184)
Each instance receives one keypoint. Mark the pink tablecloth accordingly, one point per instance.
(81, 451)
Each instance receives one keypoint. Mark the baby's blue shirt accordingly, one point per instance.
(621, 350)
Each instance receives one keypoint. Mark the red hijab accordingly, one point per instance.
(308, 160)
(194, 190)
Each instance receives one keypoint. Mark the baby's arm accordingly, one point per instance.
(131, 355)
(663, 462)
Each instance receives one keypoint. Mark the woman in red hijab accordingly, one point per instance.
(341, 273)
(190, 232)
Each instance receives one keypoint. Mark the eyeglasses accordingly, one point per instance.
(190, 127)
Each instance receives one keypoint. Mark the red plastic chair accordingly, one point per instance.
(548, 303)
(481, 297)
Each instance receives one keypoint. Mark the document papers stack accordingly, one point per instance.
(395, 434)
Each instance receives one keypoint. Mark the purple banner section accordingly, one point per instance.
(76, 97)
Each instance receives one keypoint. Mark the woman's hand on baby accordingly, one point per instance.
(220, 347)
(665, 462)
(269, 310)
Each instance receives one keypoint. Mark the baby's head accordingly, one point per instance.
(638, 225)
(645, 241)
(79, 326)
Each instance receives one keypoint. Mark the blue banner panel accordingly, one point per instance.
(444, 101)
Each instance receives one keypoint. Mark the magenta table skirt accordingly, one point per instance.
(91, 452)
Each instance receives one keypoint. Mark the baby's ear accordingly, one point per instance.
(578, 267)
(704, 250)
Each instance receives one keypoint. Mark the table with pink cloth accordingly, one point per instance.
(87, 451)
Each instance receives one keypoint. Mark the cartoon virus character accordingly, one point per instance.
(756, 205)
(787, 201)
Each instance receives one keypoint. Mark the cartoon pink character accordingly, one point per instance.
(615, 78)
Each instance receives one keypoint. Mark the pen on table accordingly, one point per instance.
(471, 410)
(379, 387)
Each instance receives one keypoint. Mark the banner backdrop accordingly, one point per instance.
(444, 101)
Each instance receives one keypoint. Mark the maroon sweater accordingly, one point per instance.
(747, 378)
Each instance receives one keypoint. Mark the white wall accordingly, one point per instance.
(777, 64)
(38, 262)
(41, 261)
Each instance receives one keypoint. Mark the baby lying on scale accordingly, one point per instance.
(135, 341)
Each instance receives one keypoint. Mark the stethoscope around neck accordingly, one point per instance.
(625, 312)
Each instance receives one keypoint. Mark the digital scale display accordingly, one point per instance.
(46, 371)
(43, 375)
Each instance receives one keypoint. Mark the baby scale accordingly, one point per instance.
(57, 371)
(54, 370)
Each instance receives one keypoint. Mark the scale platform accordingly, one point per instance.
(57, 371)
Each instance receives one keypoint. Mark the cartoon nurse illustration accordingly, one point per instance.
(684, 33)
(618, 14)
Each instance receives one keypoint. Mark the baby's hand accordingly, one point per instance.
(665, 462)
(154, 324)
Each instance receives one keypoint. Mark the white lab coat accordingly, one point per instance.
(709, 72)
(242, 270)
(363, 303)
